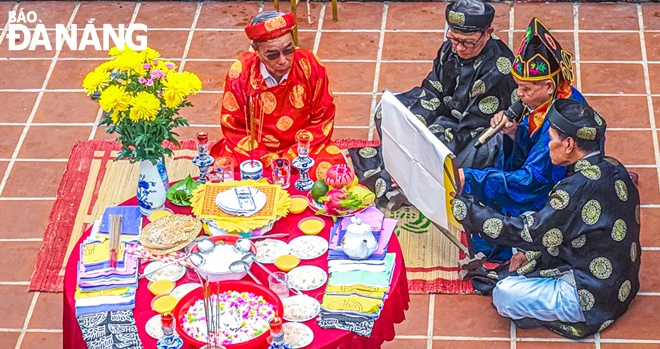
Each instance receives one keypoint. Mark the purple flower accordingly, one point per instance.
(170, 65)
(142, 80)
(146, 66)
(156, 74)
(160, 95)
(155, 63)
(149, 82)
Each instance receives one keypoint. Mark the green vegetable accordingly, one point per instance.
(181, 193)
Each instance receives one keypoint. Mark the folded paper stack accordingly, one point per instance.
(238, 206)
(102, 288)
(357, 289)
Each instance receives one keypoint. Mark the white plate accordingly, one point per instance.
(300, 308)
(307, 278)
(183, 290)
(154, 327)
(173, 272)
(269, 249)
(253, 201)
(308, 247)
(305, 334)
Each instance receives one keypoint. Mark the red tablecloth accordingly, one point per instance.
(393, 310)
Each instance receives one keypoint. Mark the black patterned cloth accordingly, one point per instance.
(110, 330)
(456, 101)
(356, 324)
(589, 225)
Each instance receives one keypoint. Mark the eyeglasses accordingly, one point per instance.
(466, 44)
(271, 56)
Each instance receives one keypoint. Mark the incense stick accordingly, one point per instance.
(252, 139)
(115, 234)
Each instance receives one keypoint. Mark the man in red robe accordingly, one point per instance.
(274, 94)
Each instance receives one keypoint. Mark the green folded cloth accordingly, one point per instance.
(379, 279)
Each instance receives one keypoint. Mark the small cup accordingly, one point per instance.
(278, 283)
(281, 172)
(252, 169)
(311, 225)
(224, 169)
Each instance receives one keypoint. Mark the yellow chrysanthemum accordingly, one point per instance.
(179, 86)
(116, 51)
(95, 81)
(149, 54)
(130, 61)
(114, 99)
(144, 106)
(166, 67)
(107, 66)
(116, 117)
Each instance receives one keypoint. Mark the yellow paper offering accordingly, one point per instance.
(97, 252)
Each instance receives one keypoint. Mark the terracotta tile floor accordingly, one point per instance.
(374, 46)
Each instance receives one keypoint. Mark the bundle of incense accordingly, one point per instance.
(115, 234)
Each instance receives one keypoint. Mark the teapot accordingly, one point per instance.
(358, 242)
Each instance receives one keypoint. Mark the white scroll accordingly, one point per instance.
(418, 161)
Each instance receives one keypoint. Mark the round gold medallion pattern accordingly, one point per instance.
(624, 291)
(327, 127)
(368, 152)
(380, 187)
(235, 69)
(229, 101)
(637, 213)
(322, 168)
(560, 199)
(581, 165)
(493, 227)
(369, 173)
(621, 190)
(459, 209)
(268, 102)
(591, 172)
(489, 104)
(527, 268)
(504, 65)
(525, 235)
(297, 96)
(587, 300)
(304, 65)
(332, 149)
(633, 251)
(579, 241)
(553, 238)
(284, 123)
(478, 88)
(619, 230)
(605, 325)
(591, 212)
(601, 267)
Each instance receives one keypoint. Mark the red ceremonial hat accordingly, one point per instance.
(271, 28)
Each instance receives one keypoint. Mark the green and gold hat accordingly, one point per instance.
(540, 56)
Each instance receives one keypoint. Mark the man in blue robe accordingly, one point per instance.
(524, 173)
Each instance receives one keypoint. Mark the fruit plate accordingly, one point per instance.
(316, 206)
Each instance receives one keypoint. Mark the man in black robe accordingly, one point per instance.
(581, 269)
(469, 83)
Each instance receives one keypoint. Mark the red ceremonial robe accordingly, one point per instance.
(301, 103)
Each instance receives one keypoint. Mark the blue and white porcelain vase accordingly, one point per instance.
(152, 187)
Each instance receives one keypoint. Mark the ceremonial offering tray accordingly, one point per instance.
(307, 278)
(169, 234)
(297, 335)
(173, 272)
(190, 323)
(300, 308)
(308, 247)
(216, 266)
(269, 249)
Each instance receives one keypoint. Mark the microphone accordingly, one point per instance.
(513, 113)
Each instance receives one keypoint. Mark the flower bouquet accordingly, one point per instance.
(141, 95)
